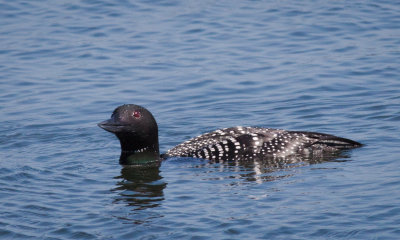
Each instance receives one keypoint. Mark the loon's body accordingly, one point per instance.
(246, 143)
(137, 131)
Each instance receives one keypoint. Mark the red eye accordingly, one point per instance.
(137, 114)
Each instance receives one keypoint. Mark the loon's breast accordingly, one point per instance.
(246, 143)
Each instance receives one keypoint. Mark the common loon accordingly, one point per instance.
(137, 131)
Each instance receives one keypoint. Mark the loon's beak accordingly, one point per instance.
(111, 126)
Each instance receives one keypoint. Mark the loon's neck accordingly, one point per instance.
(143, 157)
(136, 151)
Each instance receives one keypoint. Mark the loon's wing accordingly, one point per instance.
(226, 143)
(328, 140)
(239, 143)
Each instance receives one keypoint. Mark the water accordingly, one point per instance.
(197, 65)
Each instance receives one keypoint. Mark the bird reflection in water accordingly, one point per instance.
(140, 188)
(266, 169)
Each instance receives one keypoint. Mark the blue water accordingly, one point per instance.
(320, 66)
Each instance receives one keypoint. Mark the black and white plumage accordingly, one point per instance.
(246, 143)
(137, 131)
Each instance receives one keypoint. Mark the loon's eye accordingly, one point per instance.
(136, 114)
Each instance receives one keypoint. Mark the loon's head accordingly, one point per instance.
(137, 132)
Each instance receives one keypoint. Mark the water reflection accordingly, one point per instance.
(143, 188)
(264, 169)
(140, 188)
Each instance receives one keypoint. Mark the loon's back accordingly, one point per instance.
(246, 143)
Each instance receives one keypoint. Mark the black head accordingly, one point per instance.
(137, 131)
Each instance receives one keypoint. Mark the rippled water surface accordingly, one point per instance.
(197, 66)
